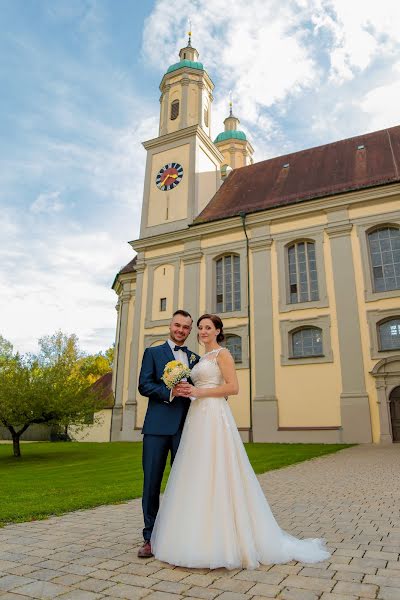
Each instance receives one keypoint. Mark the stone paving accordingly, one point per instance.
(351, 498)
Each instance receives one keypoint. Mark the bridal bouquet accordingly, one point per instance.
(174, 372)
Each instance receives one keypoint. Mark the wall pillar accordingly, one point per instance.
(355, 410)
(200, 104)
(129, 433)
(264, 406)
(184, 108)
(165, 109)
(191, 288)
(117, 413)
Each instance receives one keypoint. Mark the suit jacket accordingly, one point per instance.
(162, 417)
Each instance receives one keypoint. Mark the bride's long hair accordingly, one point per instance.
(217, 322)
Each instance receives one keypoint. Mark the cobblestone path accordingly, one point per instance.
(351, 498)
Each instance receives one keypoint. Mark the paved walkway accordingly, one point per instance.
(351, 498)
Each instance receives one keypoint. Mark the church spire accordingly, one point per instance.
(233, 144)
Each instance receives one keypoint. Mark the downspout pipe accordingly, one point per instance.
(242, 215)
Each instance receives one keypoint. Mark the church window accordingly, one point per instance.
(303, 280)
(306, 341)
(163, 304)
(174, 109)
(234, 344)
(228, 283)
(389, 334)
(384, 250)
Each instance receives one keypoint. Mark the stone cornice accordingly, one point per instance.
(339, 229)
(260, 243)
(187, 71)
(192, 257)
(181, 134)
(277, 214)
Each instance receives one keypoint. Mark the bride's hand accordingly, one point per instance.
(183, 389)
(187, 390)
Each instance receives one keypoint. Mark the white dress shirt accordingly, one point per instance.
(178, 354)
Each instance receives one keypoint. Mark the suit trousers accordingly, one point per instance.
(154, 459)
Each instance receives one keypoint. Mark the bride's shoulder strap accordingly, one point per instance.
(217, 352)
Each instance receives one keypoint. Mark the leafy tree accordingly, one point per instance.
(6, 348)
(95, 366)
(47, 388)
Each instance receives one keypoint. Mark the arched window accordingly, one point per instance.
(303, 280)
(389, 334)
(228, 283)
(234, 344)
(306, 341)
(384, 249)
(174, 109)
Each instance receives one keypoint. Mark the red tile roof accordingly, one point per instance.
(103, 389)
(352, 164)
(130, 267)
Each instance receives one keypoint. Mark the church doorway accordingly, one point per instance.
(394, 400)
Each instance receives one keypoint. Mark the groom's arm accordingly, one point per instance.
(148, 384)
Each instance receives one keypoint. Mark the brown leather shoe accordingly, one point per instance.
(145, 550)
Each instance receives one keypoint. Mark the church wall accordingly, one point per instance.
(163, 288)
(175, 93)
(308, 395)
(172, 205)
(379, 212)
(193, 103)
(98, 432)
(207, 177)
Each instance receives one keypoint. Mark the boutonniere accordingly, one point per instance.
(192, 358)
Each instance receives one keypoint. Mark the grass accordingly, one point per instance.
(54, 478)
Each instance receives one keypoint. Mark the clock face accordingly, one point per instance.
(169, 176)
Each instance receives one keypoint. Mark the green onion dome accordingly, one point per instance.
(186, 63)
(228, 135)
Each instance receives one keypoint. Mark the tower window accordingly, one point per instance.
(163, 304)
(174, 110)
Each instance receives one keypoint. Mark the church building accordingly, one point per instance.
(298, 254)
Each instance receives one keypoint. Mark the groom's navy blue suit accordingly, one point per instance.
(162, 426)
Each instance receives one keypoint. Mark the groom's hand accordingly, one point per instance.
(182, 389)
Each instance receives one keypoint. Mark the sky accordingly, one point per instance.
(79, 95)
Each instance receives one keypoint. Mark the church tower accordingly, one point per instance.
(233, 145)
(183, 165)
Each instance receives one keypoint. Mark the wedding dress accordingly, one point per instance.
(214, 512)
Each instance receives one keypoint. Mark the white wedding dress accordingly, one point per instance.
(214, 512)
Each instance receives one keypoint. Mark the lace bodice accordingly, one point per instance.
(206, 373)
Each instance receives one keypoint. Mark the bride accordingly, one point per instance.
(214, 512)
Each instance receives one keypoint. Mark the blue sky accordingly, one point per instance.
(80, 93)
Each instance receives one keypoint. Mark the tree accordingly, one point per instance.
(47, 388)
(94, 366)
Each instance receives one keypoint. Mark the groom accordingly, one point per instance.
(165, 416)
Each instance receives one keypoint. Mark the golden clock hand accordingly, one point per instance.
(169, 177)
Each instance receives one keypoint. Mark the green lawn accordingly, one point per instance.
(54, 478)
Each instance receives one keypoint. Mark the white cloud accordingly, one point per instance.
(47, 203)
(382, 105)
(284, 61)
(60, 282)
(255, 49)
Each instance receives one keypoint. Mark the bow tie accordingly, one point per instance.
(184, 348)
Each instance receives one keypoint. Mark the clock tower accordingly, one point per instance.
(183, 164)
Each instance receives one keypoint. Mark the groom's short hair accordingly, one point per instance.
(184, 313)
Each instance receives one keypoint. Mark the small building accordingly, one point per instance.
(298, 254)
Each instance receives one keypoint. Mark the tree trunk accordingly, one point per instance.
(16, 447)
(16, 437)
